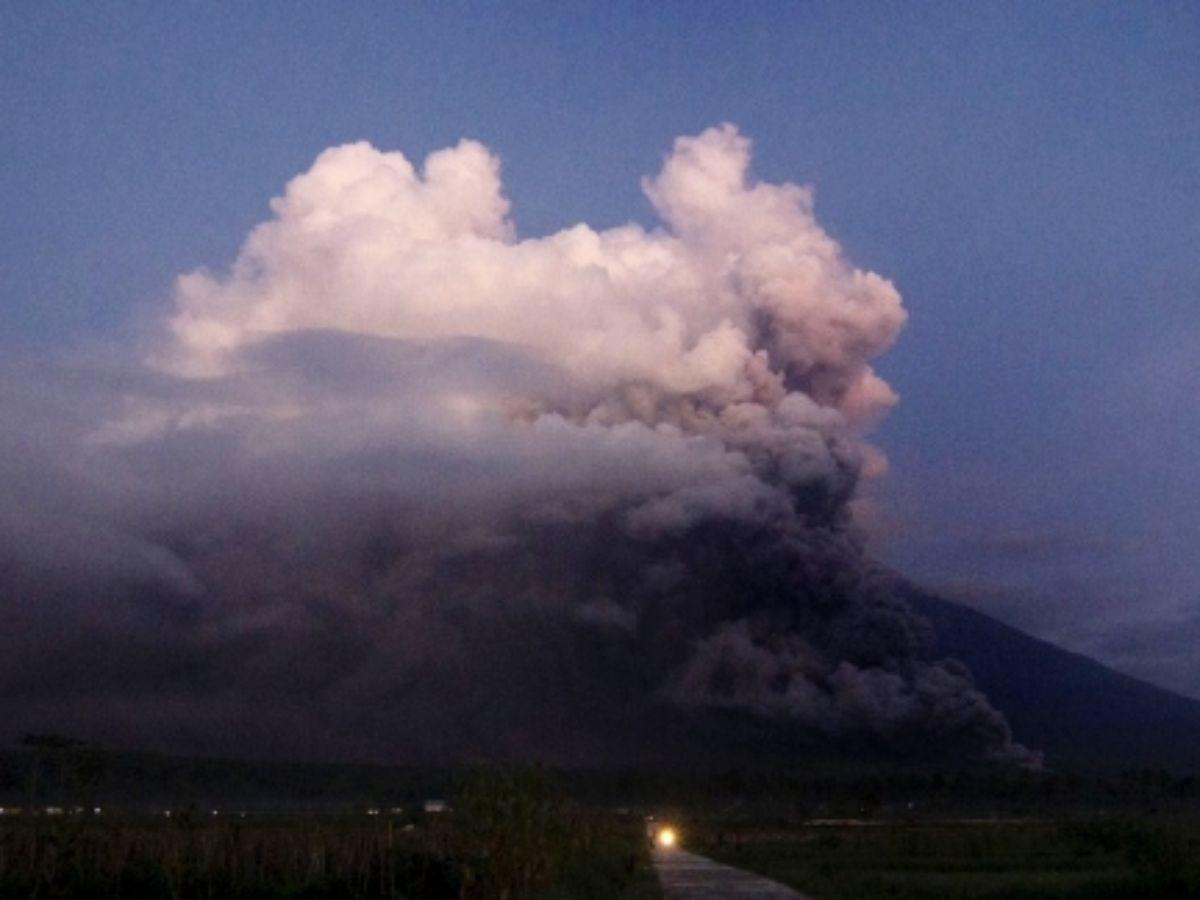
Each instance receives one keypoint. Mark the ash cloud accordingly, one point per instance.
(403, 485)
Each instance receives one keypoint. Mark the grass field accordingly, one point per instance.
(508, 835)
(955, 860)
(848, 833)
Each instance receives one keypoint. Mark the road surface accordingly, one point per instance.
(685, 876)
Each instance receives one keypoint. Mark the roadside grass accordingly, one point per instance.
(1014, 860)
(509, 835)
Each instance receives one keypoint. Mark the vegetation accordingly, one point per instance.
(836, 829)
(1031, 859)
(508, 835)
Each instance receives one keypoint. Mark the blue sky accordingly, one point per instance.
(1027, 174)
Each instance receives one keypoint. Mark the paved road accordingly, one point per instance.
(685, 876)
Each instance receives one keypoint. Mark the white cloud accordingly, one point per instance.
(741, 293)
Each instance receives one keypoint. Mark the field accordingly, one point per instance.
(507, 835)
(837, 832)
(939, 859)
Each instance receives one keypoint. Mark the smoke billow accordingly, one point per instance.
(404, 485)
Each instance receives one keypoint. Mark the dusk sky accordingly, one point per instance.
(1027, 176)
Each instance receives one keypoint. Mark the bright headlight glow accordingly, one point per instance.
(666, 837)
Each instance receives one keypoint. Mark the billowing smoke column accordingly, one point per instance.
(403, 483)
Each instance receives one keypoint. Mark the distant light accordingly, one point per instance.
(216, 812)
(167, 813)
(96, 810)
(666, 837)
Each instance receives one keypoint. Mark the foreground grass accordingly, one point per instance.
(510, 836)
(1016, 860)
(304, 858)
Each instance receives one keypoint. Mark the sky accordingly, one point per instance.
(1027, 176)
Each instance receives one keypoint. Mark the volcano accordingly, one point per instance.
(1078, 712)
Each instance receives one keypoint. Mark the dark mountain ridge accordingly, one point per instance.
(1080, 713)
(1084, 716)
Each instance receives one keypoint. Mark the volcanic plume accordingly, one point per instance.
(402, 484)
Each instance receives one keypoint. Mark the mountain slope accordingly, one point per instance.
(1072, 707)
